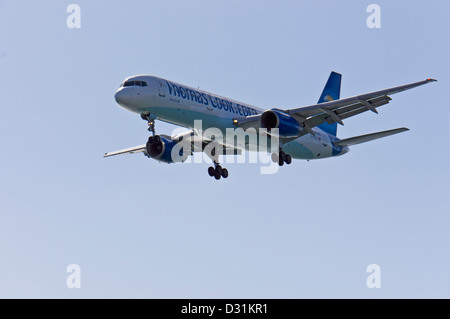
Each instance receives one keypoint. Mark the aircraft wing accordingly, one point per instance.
(131, 150)
(338, 110)
(198, 144)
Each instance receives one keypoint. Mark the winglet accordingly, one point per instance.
(431, 80)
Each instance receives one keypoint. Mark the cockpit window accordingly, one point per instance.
(135, 83)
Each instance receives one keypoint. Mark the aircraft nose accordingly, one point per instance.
(122, 96)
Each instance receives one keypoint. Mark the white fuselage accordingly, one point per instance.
(181, 105)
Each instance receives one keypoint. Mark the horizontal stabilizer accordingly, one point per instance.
(369, 137)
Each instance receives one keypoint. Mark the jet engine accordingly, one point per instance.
(164, 149)
(276, 119)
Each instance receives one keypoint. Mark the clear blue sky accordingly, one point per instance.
(139, 228)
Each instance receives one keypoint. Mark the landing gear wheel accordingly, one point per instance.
(224, 173)
(275, 157)
(281, 158)
(217, 171)
(156, 139)
(145, 116)
(288, 159)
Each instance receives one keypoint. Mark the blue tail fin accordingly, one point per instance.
(331, 91)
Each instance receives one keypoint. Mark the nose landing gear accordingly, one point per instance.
(154, 142)
(151, 122)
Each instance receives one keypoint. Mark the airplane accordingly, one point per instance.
(308, 132)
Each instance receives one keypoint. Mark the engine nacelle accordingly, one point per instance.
(287, 126)
(164, 149)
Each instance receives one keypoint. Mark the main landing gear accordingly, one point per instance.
(217, 171)
(281, 158)
(154, 144)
